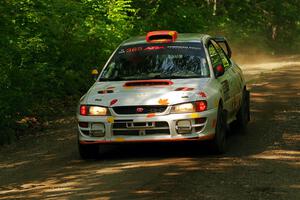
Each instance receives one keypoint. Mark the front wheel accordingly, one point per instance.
(219, 142)
(88, 151)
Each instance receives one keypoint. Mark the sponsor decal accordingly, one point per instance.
(184, 47)
(110, 120)
(133, 49)
(225, 86)
(114, 101)
(184, 89)
(154, 48)
(194, 115)
(202, 94)
(216, 103)
(163, 101)
(157, 47)
(151, 115)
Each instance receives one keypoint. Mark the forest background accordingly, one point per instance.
(48, 48)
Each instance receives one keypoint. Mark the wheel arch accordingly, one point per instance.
(225, 112)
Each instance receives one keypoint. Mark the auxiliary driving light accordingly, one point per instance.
(98, 130)
(183, 126)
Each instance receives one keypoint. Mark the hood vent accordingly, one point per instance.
(142, 83)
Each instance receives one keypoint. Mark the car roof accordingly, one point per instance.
(182, 37)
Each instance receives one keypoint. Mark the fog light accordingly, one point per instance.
(183, 126)
(98, 130)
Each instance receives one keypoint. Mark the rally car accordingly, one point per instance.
(164, 87)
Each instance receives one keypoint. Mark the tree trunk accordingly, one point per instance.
(274, 32)
(215, 7)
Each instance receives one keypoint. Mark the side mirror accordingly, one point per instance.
(219, 70)
(95, 73)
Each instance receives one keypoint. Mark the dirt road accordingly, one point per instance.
(263, 164)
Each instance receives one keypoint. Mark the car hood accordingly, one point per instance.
(157, 92)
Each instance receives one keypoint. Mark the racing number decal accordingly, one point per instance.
(225, 86)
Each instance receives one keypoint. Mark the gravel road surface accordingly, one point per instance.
(263, 163)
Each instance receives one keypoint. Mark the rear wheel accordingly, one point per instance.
(243, 115)
(219, 142)
(88, 151)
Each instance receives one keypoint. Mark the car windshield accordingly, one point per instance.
(157, 61)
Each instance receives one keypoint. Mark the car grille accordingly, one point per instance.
(140, 128)
(123, 110)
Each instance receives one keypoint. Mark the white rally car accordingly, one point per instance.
(165, 87)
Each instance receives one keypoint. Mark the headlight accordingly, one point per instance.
(197, 106)
(183, 108)
(97, 110)
(93, 110)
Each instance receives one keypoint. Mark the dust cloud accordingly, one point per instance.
(256, 61)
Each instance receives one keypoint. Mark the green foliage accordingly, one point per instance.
(272, 25)
(47, 51)
(49, 47)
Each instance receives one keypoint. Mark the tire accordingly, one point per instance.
(243, 115)
(88, 151)
(219, 142)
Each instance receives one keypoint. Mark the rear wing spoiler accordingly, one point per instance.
(223, 43)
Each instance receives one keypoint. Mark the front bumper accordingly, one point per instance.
(147, 128)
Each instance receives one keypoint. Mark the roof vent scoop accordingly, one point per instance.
(161, 36)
